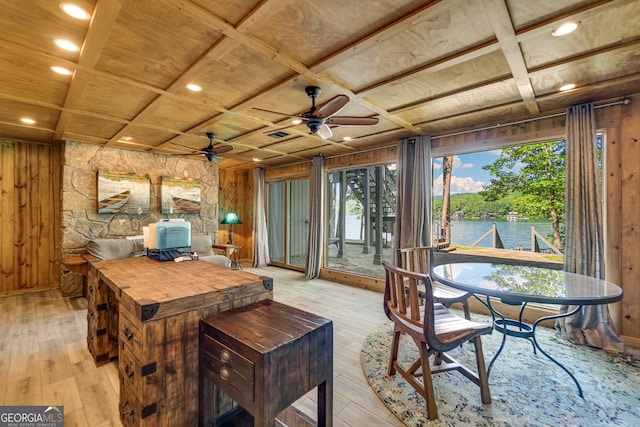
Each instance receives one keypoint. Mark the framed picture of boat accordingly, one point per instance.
(125, 193)
(180, 195)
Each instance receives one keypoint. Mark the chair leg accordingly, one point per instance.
(427, 382)
(465, 308)
(483, 378)
(391, 370)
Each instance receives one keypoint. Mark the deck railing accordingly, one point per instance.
(496, 241)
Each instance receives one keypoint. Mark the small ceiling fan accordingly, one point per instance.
(319, 118)
(209, 151)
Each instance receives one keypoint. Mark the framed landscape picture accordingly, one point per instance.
(180, 195)
(127, 193)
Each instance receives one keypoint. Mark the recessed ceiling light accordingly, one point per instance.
(75, 11)
(568, 86)
(296, 121)
(61, 70)
(127, 138)
(255, 159)
(194, 87)
(66, 45)
(346, 138)
(28, 121)
(564, 29)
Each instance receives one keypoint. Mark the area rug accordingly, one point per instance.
(527, 389)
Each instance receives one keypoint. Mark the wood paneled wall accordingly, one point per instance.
(29, 216)
(236, 195)
(628, 196)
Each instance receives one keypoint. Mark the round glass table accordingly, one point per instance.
(520, 285)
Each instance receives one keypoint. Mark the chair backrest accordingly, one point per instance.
(403, 293)
(402, 301)
(418, 259)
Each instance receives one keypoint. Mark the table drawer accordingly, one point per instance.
(143, 380)
(129, 333)
(233, 373)
(135, 414)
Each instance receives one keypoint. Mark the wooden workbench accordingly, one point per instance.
(146, 313)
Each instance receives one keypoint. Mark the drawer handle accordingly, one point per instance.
(123, 409)
(225, 356)
(224, 374)
(127, 334)
(128, 371)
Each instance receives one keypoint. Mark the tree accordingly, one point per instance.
(447, 167)
(536, 172)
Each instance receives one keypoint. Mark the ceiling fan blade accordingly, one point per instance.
(275, 112)
(324, 132)
(221, 149)
(352, 121)
(331, 107)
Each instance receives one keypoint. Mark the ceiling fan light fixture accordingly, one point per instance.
(75, 11)
(564, 29)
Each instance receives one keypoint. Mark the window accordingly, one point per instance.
(357, 201)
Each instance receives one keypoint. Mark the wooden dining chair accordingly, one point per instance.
(434, 329)
(420, 260)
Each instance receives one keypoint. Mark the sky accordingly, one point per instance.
(467, 175)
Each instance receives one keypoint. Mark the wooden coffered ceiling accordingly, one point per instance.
(421, 67)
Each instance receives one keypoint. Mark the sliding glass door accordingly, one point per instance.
(288, 222)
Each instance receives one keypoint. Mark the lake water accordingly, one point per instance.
(514, 234)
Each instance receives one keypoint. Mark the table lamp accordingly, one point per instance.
(231, 218)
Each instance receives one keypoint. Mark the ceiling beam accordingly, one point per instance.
(501, 22)
(103, 18)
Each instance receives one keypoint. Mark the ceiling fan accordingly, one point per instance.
(319, 118)
(209, 151)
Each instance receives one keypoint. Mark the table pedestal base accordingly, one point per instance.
(520, 329)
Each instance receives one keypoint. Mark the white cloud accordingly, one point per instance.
(457, 164)
(458, 185)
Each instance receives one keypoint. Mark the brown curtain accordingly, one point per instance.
(413, 193)
(583, 229)
(316, 233)
(260, 235)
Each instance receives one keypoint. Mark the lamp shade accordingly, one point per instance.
(231, 218)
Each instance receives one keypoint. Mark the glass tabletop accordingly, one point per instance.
(522, 283)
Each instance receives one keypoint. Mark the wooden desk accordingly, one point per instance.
(146, 313)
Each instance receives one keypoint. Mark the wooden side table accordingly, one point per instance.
(232, 252)
(265, 356)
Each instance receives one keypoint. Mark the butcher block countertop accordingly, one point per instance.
(152, 289)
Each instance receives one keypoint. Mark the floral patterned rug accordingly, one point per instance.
(526, 389)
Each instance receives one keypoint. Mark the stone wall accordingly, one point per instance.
(80, 219)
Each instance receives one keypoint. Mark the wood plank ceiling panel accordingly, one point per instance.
(421, 66)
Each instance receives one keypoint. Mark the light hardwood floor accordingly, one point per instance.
(44, 358)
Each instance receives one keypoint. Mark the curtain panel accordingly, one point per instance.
(316, 233)
(413, 193)
(260, 235)
(584, 250)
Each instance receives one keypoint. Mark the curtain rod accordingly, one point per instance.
(625, 101)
